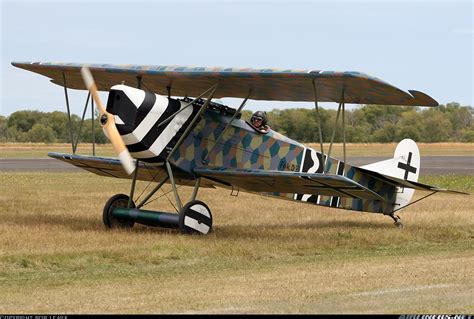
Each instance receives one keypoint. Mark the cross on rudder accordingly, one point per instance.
(407, 166)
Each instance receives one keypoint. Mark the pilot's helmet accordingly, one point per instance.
(261, 115)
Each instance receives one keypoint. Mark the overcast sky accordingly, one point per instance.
(421, 45)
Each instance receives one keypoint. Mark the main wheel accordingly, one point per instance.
(117, 201)
(195, 218)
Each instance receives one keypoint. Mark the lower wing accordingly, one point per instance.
(262, 181)
(111, 167)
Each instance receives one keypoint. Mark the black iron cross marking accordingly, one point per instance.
(407, 166)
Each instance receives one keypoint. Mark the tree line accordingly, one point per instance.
(47, 127)
(364, 124)
(378, 124)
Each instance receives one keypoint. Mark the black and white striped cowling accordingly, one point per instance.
(137, 114)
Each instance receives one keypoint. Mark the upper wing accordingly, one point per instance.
(265, 84)
(288, 182)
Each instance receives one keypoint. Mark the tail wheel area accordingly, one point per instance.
(397, 221)
(398, 224)
(117, 201)
(195, 218)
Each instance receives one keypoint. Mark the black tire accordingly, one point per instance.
(195, 218)
(117, 201)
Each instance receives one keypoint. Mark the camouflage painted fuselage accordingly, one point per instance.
(242, 147)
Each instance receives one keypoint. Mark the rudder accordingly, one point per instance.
(405, 164)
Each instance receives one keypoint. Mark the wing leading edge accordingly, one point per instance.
(265, 84)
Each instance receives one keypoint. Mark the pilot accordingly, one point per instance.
(259, 121)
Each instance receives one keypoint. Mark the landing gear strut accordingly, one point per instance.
(194, 217)
(397, 223)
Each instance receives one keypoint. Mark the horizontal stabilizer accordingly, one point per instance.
(261, 181)
(409, 184)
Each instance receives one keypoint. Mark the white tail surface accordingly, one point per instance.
(405, 164)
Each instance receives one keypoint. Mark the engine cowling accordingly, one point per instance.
(137, 114)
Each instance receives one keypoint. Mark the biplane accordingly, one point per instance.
(167, 128)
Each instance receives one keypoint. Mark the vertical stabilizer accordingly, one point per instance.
(405, 164)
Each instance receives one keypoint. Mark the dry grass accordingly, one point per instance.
(38, 150)
(264, 255)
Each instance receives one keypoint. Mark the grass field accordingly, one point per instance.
(263, 256)
(28, 150)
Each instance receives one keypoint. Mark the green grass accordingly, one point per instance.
(463, 183)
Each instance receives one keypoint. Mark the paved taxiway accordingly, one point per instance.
(430, 165)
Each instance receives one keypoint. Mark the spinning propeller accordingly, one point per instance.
(108, 124)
